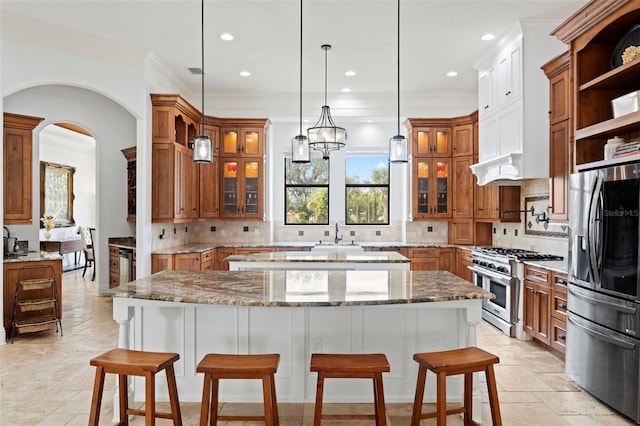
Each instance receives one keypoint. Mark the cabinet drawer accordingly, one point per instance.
(207, 266)
(114, 280)
(206, 256)
(559, 305)
(113, 251)
(531, 273)
(424, 252)
(114, 264)
(558, 335)
(559, 280)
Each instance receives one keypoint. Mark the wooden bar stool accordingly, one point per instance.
(447, 363)
(125, 362)
(232, 366)
(351, 366)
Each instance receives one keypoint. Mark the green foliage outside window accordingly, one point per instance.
(307, 192)
(367, 190)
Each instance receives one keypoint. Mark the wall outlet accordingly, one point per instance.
(429, 228)
(300, 233)
(378, 233)
(495, 230)
(213, 229)
(352, 233)
(174, 231)
(245, 229)
(504, 231)
(515, 232)
(326, 233)
(186, 229)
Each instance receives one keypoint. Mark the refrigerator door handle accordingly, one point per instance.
(602, 336)
(593, 255)
(581, 294)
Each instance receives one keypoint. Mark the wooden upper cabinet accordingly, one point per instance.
(593, 34)
(463, 182)
(174, 119)
(431, 142)
(209, 180)
(241, 186)
(242, 138)
(431, 194)
(463, 140)
(560, 134)
(497, 203)
(17, 168)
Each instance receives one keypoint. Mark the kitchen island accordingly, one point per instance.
(295, 313)
(341, 260)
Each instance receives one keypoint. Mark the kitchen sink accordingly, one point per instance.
(329, 246)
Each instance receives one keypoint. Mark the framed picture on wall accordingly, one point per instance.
(56, 193)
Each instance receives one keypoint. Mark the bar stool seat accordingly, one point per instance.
(125, 362)
(350, 366)
(234, 366)
(447, 363)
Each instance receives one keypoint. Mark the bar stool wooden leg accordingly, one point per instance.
(214, 400)
(173, 395)
(123, 398)
(96, 399)
(417, 402)
(317, 417)
(378, 396)
(273, 402)
(206, 400)
(441, 399)
(493, 396)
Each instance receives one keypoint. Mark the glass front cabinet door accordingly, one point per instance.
(431, 187)
(241, 188)
(242, 142)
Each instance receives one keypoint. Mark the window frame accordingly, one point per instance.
(367, 185)
(287, 159)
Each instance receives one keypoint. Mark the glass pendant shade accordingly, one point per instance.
(300, 149)
(398, 152)
(202, 152)
(325, 136)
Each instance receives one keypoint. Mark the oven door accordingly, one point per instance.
(504, 288)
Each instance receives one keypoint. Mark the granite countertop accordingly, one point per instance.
(33, 257)
(301, 288)
(323, 257)
(123, 242)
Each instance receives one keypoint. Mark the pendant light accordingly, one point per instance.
(325, 136)
(300, 143)
(398, 152)
(201, 145)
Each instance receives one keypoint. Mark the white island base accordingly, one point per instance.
(399, 331)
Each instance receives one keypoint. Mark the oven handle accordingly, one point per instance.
(582, 294)
(506, 280)
(602, 336)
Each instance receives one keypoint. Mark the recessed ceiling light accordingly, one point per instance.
(350, 73)
(245, 73)
(226, 37)
(346, 90)
(452, 73)
(487, 37)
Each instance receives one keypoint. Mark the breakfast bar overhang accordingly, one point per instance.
(296, 313)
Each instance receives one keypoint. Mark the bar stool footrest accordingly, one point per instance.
(136, 412)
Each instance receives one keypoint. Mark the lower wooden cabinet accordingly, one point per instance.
(463, 261)
(199, 261)
(114, 267)
(432, 258)
(545, 306)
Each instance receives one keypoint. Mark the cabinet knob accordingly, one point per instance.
(562, 306)
(508, 93)
(562, 337)
(486, 106)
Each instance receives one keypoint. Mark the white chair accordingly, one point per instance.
(87, 247)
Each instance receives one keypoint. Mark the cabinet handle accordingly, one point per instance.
(562, 337)
(508, 93)
(562, 306)
(486, 106)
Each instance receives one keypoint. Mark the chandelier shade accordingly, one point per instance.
(325, 136)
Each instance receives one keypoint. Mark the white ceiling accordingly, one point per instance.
(436, 37)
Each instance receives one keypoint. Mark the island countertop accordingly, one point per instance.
(301, 288)
(321, 257)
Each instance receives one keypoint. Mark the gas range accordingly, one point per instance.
(501, 259)
(501, 272)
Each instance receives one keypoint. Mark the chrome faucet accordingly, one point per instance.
(337, 239)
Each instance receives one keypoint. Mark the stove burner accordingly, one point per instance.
(518, 254)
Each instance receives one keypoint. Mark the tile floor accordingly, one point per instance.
(46, 379)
